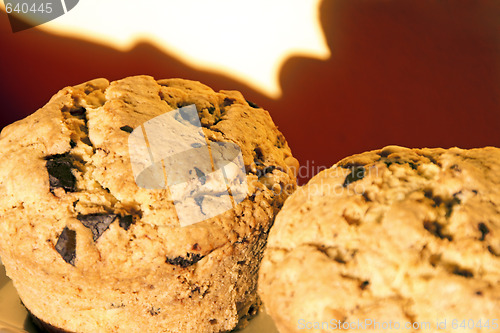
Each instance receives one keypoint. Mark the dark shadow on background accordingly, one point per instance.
(412, 73)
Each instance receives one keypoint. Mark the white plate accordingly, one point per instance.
(14, 319)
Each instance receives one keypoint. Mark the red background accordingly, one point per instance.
(417, 73)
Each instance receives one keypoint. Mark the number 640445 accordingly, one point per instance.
(25, 8)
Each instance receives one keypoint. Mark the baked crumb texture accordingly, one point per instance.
(393, 235)
(90, 251)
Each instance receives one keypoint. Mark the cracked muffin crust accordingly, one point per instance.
(393, 235)
(90, 251)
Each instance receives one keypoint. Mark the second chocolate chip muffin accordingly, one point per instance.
(89, 250)
(393, 239)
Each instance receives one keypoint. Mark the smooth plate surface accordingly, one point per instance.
(13, 316)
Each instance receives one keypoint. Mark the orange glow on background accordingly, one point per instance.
(269, 32)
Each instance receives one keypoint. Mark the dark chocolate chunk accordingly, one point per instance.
(437, 230)
(66, 245)
(87, 141)
(154, 311)
(350, 165)
(432, 159)
(126, 221)
(493, 251)
(78, 112)
(190, 259)
(280, 141)
(117, 305)
(228, 101)
(199, 202)
(201, 176)
(463, 272)
(196, 145)
(97, 223)
(259, 156)
(356, 174)
(413, 165)
(263, 171)
(449, 204)
(388, 162)
(484, 230)
(437, 200)
(258, 163)
(253, 310)
(364, 284)
(252, 104)
(384, 153)
(211, 110)
(60, 176)
(72, 143)
(127, 129)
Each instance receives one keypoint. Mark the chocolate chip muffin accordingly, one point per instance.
(92, 249)
(390, 239)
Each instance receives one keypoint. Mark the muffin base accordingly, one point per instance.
(43, 326)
